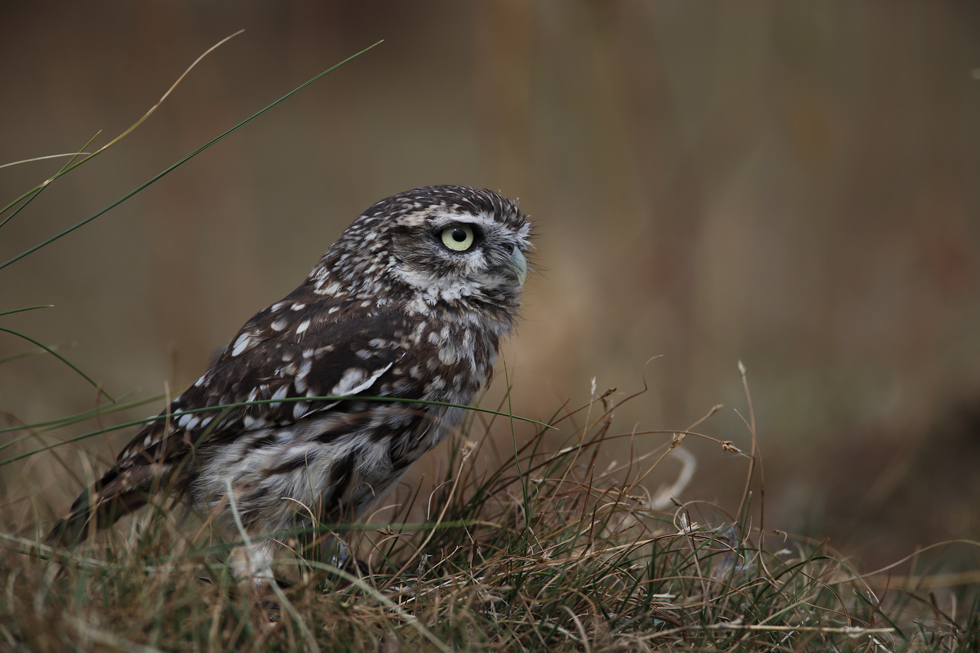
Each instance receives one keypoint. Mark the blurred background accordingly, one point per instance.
(795, 185)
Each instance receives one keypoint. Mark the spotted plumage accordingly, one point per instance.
(411, 302)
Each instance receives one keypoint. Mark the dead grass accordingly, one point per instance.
(539, 551)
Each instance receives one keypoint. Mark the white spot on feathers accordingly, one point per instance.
(448, 355)
(245, 342)
(249, 422)
(354, 381)
(300, 380)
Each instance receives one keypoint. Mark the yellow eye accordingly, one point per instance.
(458, 238)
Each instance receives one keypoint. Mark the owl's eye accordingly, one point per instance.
(458, 238)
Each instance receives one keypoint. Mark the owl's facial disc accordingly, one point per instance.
(490, 258)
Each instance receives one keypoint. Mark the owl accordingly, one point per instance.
(316, 406)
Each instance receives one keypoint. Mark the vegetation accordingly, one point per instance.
(544, 551)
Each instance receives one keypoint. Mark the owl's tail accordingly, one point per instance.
(118, 493)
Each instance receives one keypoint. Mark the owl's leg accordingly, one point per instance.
(252, 566)
(241, 504)
(253, 562)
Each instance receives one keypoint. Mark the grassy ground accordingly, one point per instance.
(541, 551)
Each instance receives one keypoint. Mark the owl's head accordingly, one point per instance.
(437, 244)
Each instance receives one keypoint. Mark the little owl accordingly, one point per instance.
(411, 303)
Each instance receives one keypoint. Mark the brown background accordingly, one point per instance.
(791, 184)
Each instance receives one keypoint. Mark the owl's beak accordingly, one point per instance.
(517, 266)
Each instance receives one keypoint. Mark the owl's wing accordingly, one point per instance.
(289, 351)
(276, 356)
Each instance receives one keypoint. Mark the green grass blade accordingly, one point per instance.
(62, 359)
(29, 196)
(26, 308)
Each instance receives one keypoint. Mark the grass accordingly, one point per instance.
(539, 548)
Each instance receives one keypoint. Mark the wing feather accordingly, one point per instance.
(278, 364)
